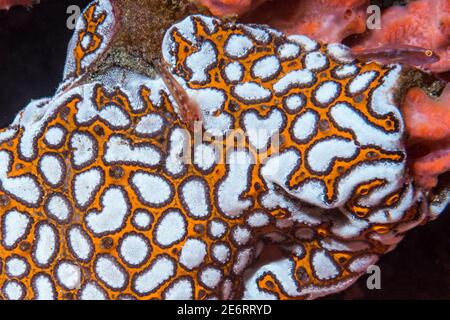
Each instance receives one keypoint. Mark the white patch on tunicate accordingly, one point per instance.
(294, 102)
(155, 275)
(288, 51)
(235, 183)
(16, 266)
(83, 147)
(121, 150)
(187, 30)
(201, 61)
(266, 67)
(217, 228)
(313, 192)
(68, 275)
(149, 125)
(305, 42)
(176, 161)
(110, 272)
(361, 82)
(192, 253)
(134, 249)
(293, 79)
(86, 110)
(251, 92)
(242, 261)
(196, 198)
(105, 29)
(8, 133)
(340, 53)
(210, 277)
(383, 98)
(55, 136)
(241, 235)
(180, 289)
(86, 184)
(331, 244)
(153, 190)
(234, 71)
(142, 219)
(305, 125)
(217, 126)
(13, 290)
(86, 41)
(209, 23)
(258, 219)
(316, 61)
(114, 116)
(205, 156)
(170, 229)
(43, 287)
(112, 217)
(345, 71)
(51, 168)
(396, 212)
(32, 120)
(327, 92)
(278, 168)
(186, 27)
(261, 129)
(322, 154)
(80, 243)
(311, 216)
(297, 250)
(58, 207)
(365, 134)
(390, 171)
(91, 291)
(260, 33)
(23, 188)
(221, 252)
(323, 265)
(238, 46)
(277, 171)
(441, 201)
(282, 270)
(314, 292)
(46, 244)
(349, 226)
(360, 264)
(15, 225)
(211, 101)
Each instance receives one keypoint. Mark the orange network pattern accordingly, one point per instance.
(96, 201)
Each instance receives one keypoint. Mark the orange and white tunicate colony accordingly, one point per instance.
(97, 203)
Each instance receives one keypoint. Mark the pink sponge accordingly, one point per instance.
(6, 4)
(422, 23)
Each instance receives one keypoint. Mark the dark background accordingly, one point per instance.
(33, 45)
